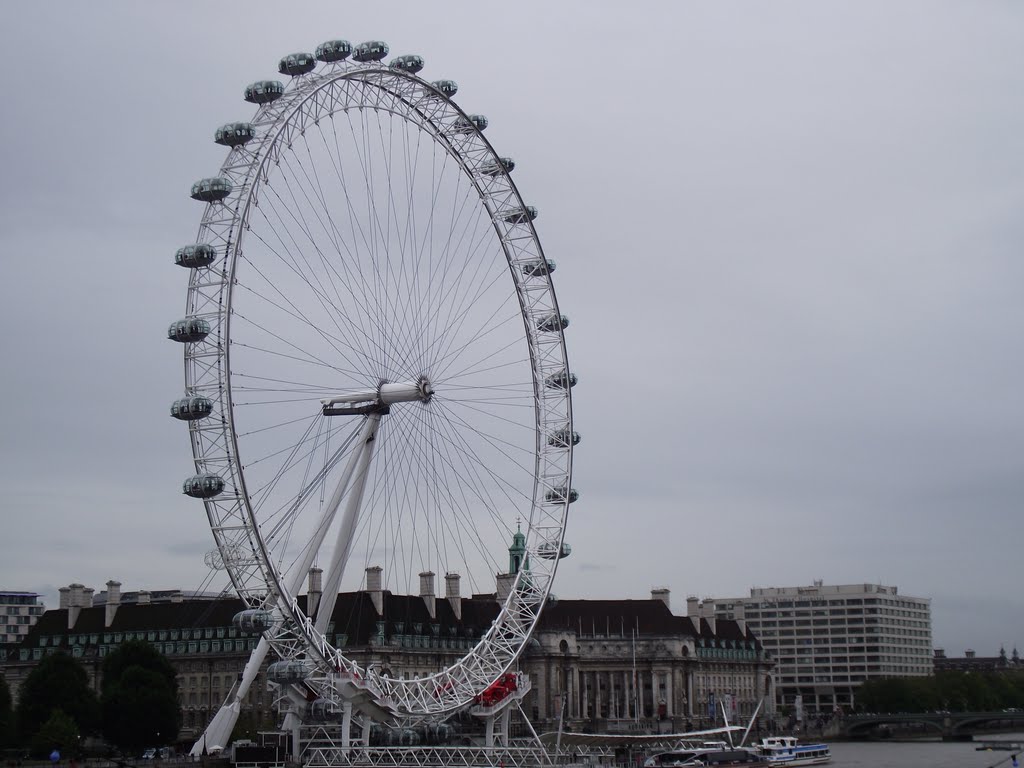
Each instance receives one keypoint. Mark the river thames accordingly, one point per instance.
(920, 754)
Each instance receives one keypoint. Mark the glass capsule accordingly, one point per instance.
(203, 486)
(211, 190)
(334, 50)
(295, 64)
(195, 256)
(264, 91)
(371, 50)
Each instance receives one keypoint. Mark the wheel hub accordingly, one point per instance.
(379, 400)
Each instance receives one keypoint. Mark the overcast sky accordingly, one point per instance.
(789, 238)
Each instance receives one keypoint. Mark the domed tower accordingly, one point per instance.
(517, 552)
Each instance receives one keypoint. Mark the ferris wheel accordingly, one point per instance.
(376, 378)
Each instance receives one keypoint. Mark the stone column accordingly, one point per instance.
(670, 709)
(689, 693)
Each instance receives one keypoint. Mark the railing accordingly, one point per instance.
(427, 757)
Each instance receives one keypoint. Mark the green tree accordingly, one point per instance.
(139, 698)
(58, 732)
(58, 683)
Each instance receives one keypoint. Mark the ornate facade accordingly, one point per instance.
(600, 665)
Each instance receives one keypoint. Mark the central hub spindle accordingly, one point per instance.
(379, 400)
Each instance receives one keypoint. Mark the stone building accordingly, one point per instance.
(616, 664)
(633, 665)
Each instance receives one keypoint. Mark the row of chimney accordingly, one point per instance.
(75, 597)
(375, 588)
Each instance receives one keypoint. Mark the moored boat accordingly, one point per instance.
(708, 754)
(787, 750)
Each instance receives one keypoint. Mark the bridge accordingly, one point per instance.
(951, 726)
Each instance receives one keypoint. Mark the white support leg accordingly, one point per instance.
(346, 533)
(504, 718)
(223, 723)
(489, 732)
(346, 724)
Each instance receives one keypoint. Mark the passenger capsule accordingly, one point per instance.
(192, 408)
(195, 256)
(371, 50)
(410, 63)
(560, 494)
(520, 215)
(538, 268)
(448, 87)
(550, 550)
(287, 672)
(323, 710)
(295, 64)
(234, 134)
(189, 329)
(203, 486)
(561, 380)
(563, 438)
(502, 166)
(334, 50)
(264, 91)
(212, 189)
(553, 322)
(253, 620)
(469, 123)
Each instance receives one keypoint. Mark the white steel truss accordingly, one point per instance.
(241, 534)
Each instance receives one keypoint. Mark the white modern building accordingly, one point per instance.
(18, 612)
(828, 639)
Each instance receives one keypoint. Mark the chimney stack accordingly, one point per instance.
(427, 592)
(74, 603)
(315, 590)
(373, 586)
(65, 598)
(663, 594)
(692, 606)
(113, 601)
(451, 591)
(505, 582)
(177, 597)
(143, 597)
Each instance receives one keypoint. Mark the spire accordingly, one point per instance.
(517, 552)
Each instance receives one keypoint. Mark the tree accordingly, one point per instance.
(58, 732)
(58, 683)
(6, 715)
(139, 698)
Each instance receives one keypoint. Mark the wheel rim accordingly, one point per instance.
(388, 253)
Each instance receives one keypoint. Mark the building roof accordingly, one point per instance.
(646, 617)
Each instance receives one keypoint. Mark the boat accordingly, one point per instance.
(786, 750)
(706, 754)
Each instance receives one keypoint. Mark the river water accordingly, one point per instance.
(922, 754)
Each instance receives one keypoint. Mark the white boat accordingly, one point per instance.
(709, 753)
(786, 750)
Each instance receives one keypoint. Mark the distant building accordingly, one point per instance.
(19, 611)
(828, 639)
(972, 662)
